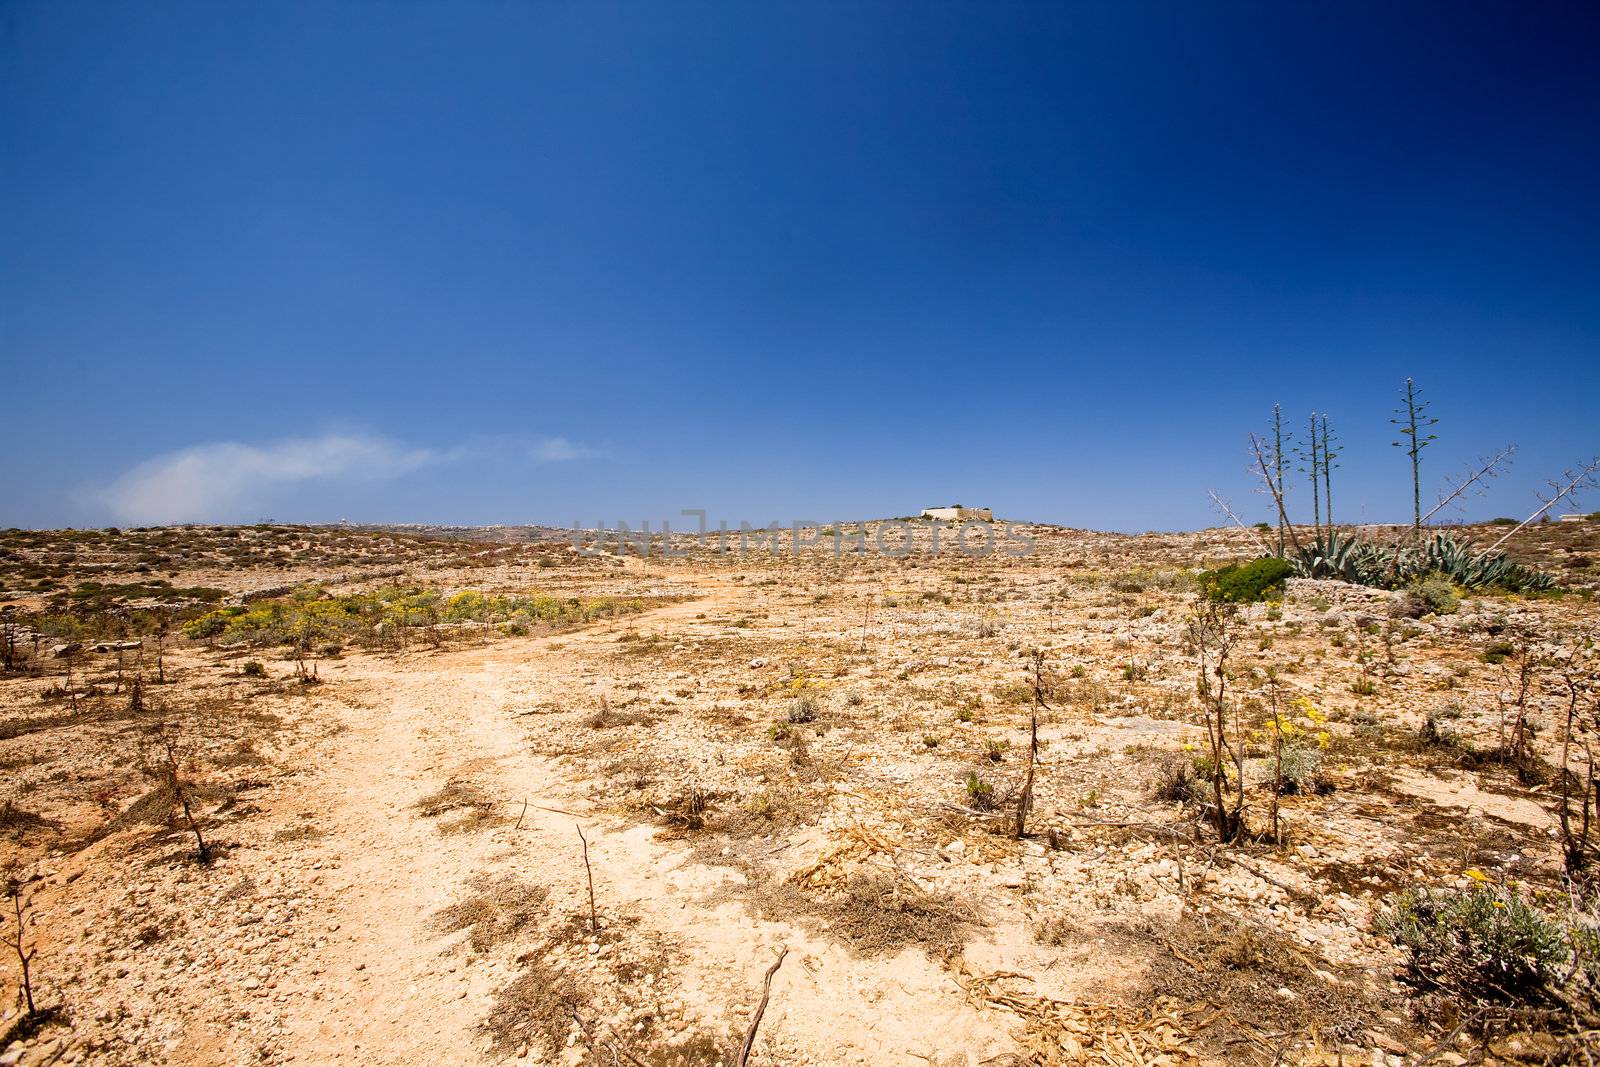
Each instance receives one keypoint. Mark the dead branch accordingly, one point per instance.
(1222, 854)
(1583, 479)
(170, 774)
(1211, 631)
(20, 945)
(614, 1047)
(1274, 489)
(761, 1009)
(1025, 800)
(1222, 506)
(1483, 473)
(594, 918)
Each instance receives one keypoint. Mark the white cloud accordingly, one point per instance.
(560, 450)
(223, 480)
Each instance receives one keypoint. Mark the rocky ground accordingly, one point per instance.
(592, 842)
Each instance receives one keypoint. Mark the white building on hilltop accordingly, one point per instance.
(957, 513)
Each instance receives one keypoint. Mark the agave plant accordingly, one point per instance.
(1345, 558)
(1352, 559)
(1470, 568)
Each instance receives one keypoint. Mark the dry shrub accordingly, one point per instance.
(607, 718)
(244, 887)
(802, 709)
(475, 819)
(244, 754)
(1174, 780)
(457, 795)
(1435, 735)
(16, 823)
(875, 914)
(687, 813)
(453, 795)
(793, 741)
(769, 811)
(159, 807)
(881, 913)
(495, 911)
(695, 1050)
(1227, 962)
(1057, 931)
(534, 1011)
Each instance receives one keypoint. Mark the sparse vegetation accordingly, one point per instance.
(857, 772)
(980, 794)
(534, 1011)
(310, 616)
(1174, 780)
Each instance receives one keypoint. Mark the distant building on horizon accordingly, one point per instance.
(957, 513)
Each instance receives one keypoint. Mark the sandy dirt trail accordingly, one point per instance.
(385, 987)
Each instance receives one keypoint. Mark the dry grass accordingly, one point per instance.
(476, 807)
(304, 832)
(879, 914)
(496, 911)
(534, 1011)
(453, 795)
(17, 823)
(1227, 963)
(159, 806)
(607, 718)
(875, 914)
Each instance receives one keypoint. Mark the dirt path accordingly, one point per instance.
(386, 987)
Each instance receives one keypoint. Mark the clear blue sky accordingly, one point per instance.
(536, 262)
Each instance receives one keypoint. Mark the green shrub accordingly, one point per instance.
(1499, 652)
(980, 794)
(1246, 583)
(1204, 767)
(1433, 595)
(253, 668)
(210, 625)
(1484, 942)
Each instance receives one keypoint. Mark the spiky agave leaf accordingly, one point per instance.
(1352, 559)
